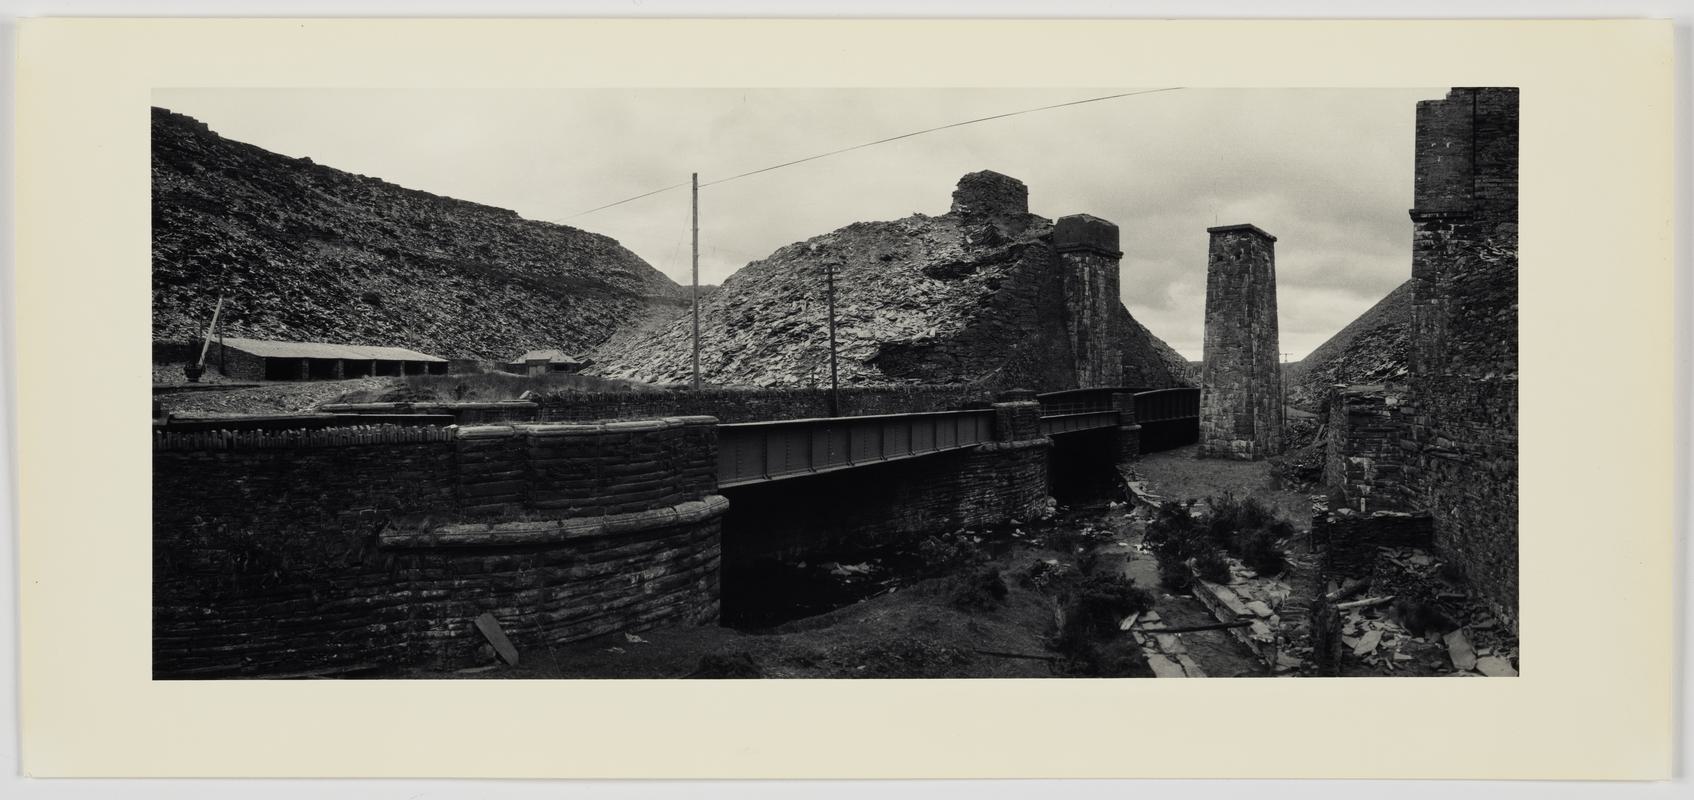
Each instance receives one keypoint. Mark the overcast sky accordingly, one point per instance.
(1327, 171)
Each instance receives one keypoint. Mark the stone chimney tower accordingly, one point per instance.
(1241, 382)
(1089, 255)
(990, 194)
(992, 205)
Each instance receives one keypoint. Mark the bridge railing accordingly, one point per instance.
(749, 452)
(1077, 401)
(1160, 405)
(1054, 424)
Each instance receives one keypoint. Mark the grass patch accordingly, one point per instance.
(1185, 542)
(981, 589)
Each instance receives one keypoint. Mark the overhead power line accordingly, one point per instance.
(871, 144)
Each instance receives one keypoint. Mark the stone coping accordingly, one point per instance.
(580, 428)
(554, 531)
(1245, 226)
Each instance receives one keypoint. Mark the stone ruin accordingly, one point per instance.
(1241, 380)
(1442, 446)
(991, 194)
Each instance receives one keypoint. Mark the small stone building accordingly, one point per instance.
(541, 362)
(260, 359)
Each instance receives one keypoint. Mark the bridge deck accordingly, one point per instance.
(1056, 424)
(750, 452)
(1074, 410)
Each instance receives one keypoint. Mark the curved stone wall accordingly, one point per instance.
(377, 548)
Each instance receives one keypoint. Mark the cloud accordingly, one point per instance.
(1328, 171)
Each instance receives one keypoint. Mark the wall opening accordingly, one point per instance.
(321, 368)
(282, 369)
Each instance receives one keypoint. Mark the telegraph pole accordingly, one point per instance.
(694, 284)
(829, 292)
(1282, 389)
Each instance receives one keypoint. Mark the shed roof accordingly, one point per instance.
(265, 348)
(550, 356)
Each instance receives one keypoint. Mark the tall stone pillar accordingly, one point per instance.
(1241, 382)
(1089, 255)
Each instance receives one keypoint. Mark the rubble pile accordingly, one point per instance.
(969, 296)
(1411, 617)
(1371, 349)
(305, 252)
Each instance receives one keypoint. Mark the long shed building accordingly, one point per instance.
(260, 359)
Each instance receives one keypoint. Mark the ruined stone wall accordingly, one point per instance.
(1367, 452)
(990, 194)
(1240, 405)
(1463, 384)
(1350, 539)
(347, 549)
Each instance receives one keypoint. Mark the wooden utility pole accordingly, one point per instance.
(193, 371)
(829, 292)
(694, 284)
(1282, 391)
(210, 329)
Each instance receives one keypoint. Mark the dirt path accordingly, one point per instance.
(1215, 652)
(291, 397)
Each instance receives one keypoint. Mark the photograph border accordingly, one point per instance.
(1596, 222)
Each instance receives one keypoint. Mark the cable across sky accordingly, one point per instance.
(864, 145)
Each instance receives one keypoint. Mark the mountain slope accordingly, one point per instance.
(971, 295)
(309, 253)
(1370, 349)
(1147, 360)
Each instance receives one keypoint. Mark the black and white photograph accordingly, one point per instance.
(1145, 382)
